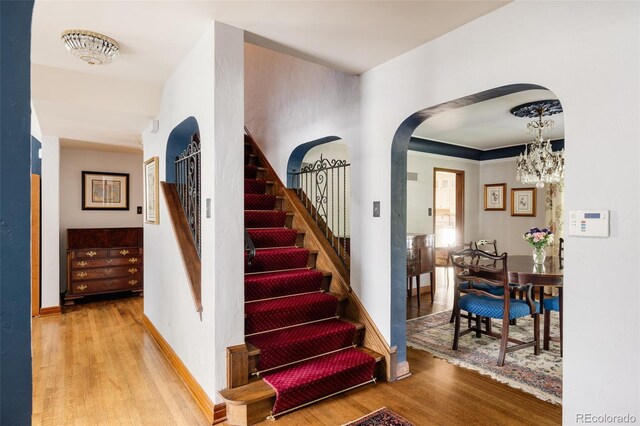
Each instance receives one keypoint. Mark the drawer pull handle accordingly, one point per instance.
(109, 260)
(81, 287)
(81, 274)
(91, 253)
(133, 270)
(133, 259)
(124, 252)
(81, 264)
(108, 271)
(133, 282)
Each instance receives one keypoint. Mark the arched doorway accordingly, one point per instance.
(401, 144)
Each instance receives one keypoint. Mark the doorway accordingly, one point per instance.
(448, 203)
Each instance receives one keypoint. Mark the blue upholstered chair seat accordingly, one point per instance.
(498, 291)
(552, 304)
(493, 308)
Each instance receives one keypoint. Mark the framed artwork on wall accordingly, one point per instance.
(105, 191)
(495, 196)
(151, 212)
(523, 201)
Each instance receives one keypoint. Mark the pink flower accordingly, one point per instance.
(537, 236)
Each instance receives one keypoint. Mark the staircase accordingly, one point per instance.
(300, 347)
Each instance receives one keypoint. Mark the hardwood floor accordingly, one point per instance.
(443, 299)
(97, 365)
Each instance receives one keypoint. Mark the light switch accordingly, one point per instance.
(376, 209)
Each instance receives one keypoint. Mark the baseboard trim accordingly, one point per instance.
(50, 311)
(199, 395)
(402, 370)
(219, 413)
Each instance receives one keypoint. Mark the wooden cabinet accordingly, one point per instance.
(420, 260)
(103, 260)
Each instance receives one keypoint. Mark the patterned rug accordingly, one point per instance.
(538, 375)
(381, 417)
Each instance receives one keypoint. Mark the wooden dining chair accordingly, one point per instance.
(477, 273)
(487, 246)
(548, 303)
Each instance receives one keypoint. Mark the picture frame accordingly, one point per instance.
(523, 202)
(105, 191)
(151, 182)
(495, 197)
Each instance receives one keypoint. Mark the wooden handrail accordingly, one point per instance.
(187, 246)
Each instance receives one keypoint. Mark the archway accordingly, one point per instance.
(319, 171)
(178, 140)
(398, 199)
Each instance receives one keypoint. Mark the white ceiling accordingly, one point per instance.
(489, 124)
(114, 103)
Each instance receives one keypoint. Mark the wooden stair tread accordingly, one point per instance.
(248, 394)
(375, 355)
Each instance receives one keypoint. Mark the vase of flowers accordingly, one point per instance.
(539, 239)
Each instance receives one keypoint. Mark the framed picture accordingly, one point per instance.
(523, 201)
(151, 212)
(105, 191)
(495, 196)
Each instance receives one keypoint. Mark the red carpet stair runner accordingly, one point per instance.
(306, 351)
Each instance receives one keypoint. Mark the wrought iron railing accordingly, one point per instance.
(188, 186)
(322, 187)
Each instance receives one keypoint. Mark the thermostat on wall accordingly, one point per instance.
(589, 223)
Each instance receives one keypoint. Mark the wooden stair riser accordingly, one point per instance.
(253, 160)
(300, 239)
(313, 257)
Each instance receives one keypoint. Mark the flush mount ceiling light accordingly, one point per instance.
(539, 164)
(93, 48)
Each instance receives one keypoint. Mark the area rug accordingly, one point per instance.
(538, 375)
(381, 417)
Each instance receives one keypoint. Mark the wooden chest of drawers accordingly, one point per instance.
(104, 260)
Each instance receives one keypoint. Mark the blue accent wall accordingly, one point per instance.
(179, 139)
(36, 162)
(15, 170)
(295, 159)
(450, 150)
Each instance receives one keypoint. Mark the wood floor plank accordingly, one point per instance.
(97, 365)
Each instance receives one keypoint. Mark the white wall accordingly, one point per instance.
(73, 162)
(420, 192)
(289, 101)
(590, 57)
(500, 225)
(50, 243)
(208, 86)
(35, 124)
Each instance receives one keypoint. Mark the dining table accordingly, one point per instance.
(522, 270)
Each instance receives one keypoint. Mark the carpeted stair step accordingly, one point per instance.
(277, 259)
(284, 283)
(254, 172)
(282, 347)
(256, 186)
(320, 377)
(274, 237)
(266, 315)
(250, 159)
(267, 219)
(253, 403)
(262, 202)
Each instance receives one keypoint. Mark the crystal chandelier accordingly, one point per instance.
(93, 48)
(539, 164)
